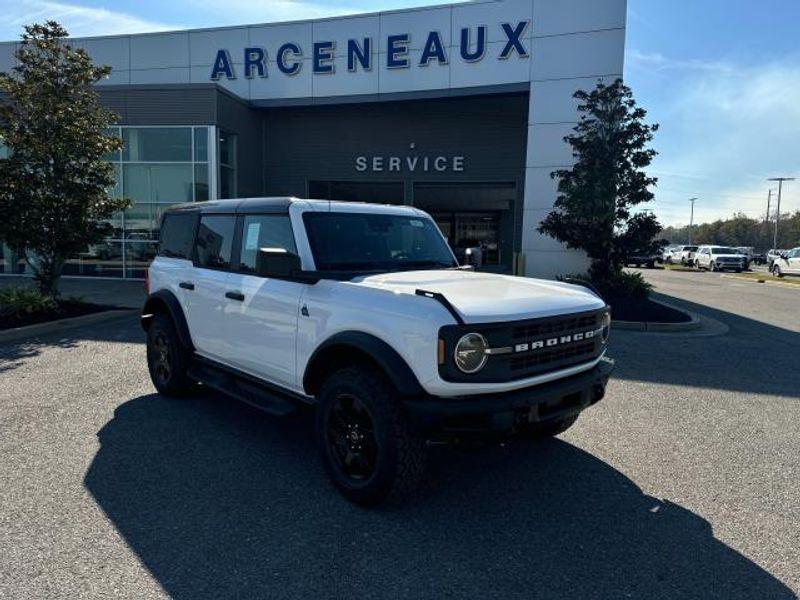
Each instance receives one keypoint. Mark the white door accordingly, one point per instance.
(261, 325)
(207, 301)
(794, 261)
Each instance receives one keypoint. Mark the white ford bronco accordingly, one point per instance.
(362, 311)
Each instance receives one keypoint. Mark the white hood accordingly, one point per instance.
(486, 297)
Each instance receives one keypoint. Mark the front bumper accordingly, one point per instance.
(500, 412)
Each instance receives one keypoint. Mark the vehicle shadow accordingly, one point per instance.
(218, 500)
(752, 356)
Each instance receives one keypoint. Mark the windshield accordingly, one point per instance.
(722, 250)
(375, 242)
(690, 248)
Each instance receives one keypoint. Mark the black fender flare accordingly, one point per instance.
(386, 357)
(165, 301)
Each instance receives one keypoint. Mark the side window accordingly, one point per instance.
(215, 241)
(264, 231)
(177, 235)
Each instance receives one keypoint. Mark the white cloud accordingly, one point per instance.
(246, 11)
(725, 129)
(78, 20)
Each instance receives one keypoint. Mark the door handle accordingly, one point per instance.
(238, 296)
(186, 285)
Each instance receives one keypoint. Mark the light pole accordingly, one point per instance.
(691, 220)
(780, 181)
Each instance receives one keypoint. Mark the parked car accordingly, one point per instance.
(772, 255)
(362, 312)
(646, 259)
(787, 263)
(666, 253)
(718, 258)
(759, 258)
(683, 255)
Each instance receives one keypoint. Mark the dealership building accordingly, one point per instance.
(459, 109)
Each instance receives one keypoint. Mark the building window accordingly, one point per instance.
(157, 167)
(227, 165)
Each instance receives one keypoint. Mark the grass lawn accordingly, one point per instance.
(766, 277)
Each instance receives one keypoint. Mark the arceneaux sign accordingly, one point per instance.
(360, 53)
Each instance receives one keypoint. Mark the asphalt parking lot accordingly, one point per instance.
(683, 483)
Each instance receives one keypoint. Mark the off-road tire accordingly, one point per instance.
(175, 382)
(540, 431)
(400, 452)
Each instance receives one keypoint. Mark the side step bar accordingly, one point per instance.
(245, 388)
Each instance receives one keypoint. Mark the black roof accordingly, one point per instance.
(239, 206)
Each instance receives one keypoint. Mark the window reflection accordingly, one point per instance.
(157, 167)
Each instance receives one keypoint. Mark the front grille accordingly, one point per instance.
(578, 353)
(556, 325)
(530, 343)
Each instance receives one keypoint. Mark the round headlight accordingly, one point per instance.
(470, 354)
(606, 326)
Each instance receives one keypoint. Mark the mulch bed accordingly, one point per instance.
(625, 309)
(65, 310)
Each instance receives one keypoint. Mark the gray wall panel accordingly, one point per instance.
(235, 116)
(322, 142)
(162, 105)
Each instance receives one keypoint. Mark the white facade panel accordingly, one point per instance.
(413, 78)
(203, 45)
(114, 52)
(272, 37)
(171, 75)
(417, 24)
(277, 85)
(553, 102)
(546, 145)
(7, 60)
(160, 51)
(472, 14)
(344, 83)
(489, 70)
(543, 188)
(557, 17)
(340, 31)
(117, 77)
(239, 86)
(579, 55)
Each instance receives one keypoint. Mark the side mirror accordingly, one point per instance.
(277, 263)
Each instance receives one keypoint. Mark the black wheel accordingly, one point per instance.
(167, 359)
(538, 431)
(712, 267)
(366, 442)
(776, 271)
(651, 265)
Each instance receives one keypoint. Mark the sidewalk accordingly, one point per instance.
(122, 293)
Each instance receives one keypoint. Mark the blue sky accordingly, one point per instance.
(722, 77)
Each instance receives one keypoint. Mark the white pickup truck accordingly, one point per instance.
(362, 311)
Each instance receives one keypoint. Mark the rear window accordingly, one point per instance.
(215, 241)
(177, 235)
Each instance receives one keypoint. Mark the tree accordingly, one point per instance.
(595, 197)
(54, 184)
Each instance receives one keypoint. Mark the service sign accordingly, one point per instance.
(361, 53)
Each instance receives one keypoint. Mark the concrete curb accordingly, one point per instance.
(31, 331)
(691, 325)
(763, 281)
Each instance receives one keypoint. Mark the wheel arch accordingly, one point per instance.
(165, 302)
(345, 348)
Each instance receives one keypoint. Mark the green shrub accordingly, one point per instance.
(620, 285)
(20, 301)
